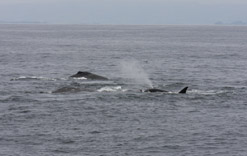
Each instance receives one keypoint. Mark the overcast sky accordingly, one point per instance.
(124, 11)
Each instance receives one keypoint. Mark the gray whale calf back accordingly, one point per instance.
(88, 75)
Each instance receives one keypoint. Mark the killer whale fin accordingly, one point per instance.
(183, 91)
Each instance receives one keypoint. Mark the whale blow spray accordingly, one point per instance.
(131, 69)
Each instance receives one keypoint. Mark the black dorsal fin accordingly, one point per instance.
(183, 91)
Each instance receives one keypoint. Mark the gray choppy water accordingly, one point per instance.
(113, 117)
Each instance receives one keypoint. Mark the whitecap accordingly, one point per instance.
(206, 92)
(111, 89)
(25, 78)
(80, 78)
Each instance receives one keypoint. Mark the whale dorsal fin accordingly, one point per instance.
(183, 91)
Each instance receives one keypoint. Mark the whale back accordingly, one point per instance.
(154, 90)
(88, 75)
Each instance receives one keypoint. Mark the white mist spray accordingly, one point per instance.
(131, 69)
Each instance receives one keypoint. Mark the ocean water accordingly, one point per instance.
(114, 118)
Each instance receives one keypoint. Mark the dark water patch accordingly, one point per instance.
(62, 150)
(19, 98)
(19, 109)
(95, 132)
(65, 90)
(65, 141)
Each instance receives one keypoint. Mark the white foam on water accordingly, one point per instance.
(111, 89)
(206, 92)
(80, 78)
(33, 78)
